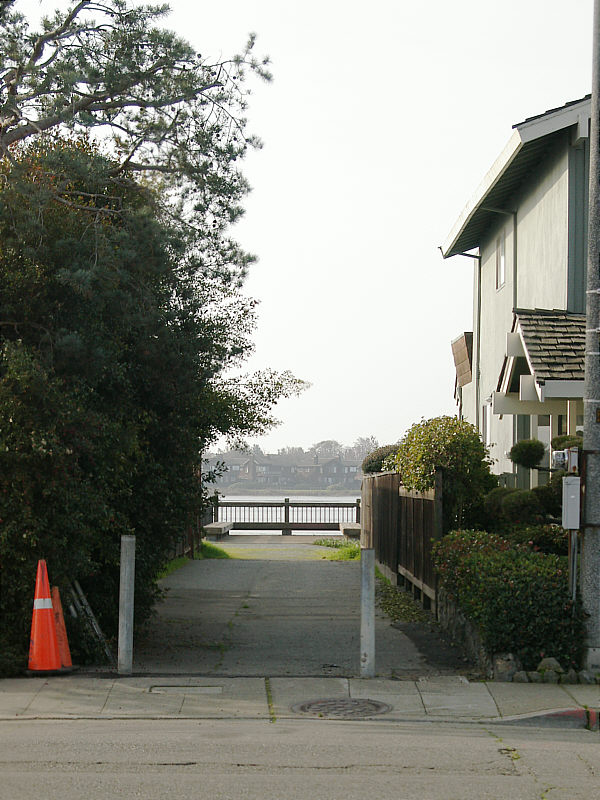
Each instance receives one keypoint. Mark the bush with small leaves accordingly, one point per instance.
(521, 506)
(456, 446)
(541, 538)
(527, 453)
(373, 462)
(492, 505)
(549, 495)
(518, 599)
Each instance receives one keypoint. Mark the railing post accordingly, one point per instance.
(357, 510)
(286, 517)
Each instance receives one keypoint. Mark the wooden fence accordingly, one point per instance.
(402, 526)
(189, 542)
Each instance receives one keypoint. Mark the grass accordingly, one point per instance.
(343, 549)
(172, 565)
(207, 550)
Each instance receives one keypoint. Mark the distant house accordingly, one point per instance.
(286, 471)
(519, 372)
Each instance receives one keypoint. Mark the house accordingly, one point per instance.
(280, 471)
(519, 371)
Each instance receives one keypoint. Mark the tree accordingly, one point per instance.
(118, 317)
(291, 451)
(328, 448)
(455, 446)
(166, 111)
(361, 447)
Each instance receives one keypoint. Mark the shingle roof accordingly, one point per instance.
(568, 104)
(555, 343)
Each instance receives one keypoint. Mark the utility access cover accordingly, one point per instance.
(341, 708)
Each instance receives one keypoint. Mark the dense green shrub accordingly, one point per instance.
(492, 505)
(527, 452)
(543, 538)
(567, 440)
(456, 446)
(520, 507)
(519, 599)
(373, 462)
(549, 495)
(450, 553)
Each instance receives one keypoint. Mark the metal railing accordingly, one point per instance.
(286, 516)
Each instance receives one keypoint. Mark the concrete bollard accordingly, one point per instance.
(126, 594)
(367, 608)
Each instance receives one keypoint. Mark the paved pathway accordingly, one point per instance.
(250, 639)
(276, 608)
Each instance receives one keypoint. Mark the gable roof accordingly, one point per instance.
(531, 140)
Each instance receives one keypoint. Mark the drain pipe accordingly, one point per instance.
(477, 258)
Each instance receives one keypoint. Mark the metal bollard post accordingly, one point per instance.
(367, 607)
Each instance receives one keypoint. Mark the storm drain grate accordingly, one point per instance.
(341, 707)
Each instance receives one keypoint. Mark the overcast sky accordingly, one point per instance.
(381, 121)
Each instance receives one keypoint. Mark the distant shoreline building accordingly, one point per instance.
(249, 471)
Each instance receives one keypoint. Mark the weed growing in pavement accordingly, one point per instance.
(172, 565)
(208, 550)
(343, 549)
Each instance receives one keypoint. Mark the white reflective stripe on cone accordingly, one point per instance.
(44, 603)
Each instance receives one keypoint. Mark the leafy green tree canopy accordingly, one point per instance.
(166, 111)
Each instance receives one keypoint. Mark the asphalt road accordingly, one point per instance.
(293, 760)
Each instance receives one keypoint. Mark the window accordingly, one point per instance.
(500, 261)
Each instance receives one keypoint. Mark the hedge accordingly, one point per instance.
(518, 598)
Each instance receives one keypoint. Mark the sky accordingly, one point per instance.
(381, 120)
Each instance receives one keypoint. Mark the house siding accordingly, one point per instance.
(543, 240)
(545, 249)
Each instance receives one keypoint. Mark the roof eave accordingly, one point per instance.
(577, 113)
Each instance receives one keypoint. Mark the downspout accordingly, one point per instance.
(515, 303)
(477, 328)
(478, 350)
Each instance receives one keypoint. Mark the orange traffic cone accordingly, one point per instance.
(44, 655)
(61, 631)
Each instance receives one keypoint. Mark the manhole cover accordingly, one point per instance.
(339, 707)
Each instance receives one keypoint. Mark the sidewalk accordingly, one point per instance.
(257, 636)
(441, 698)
